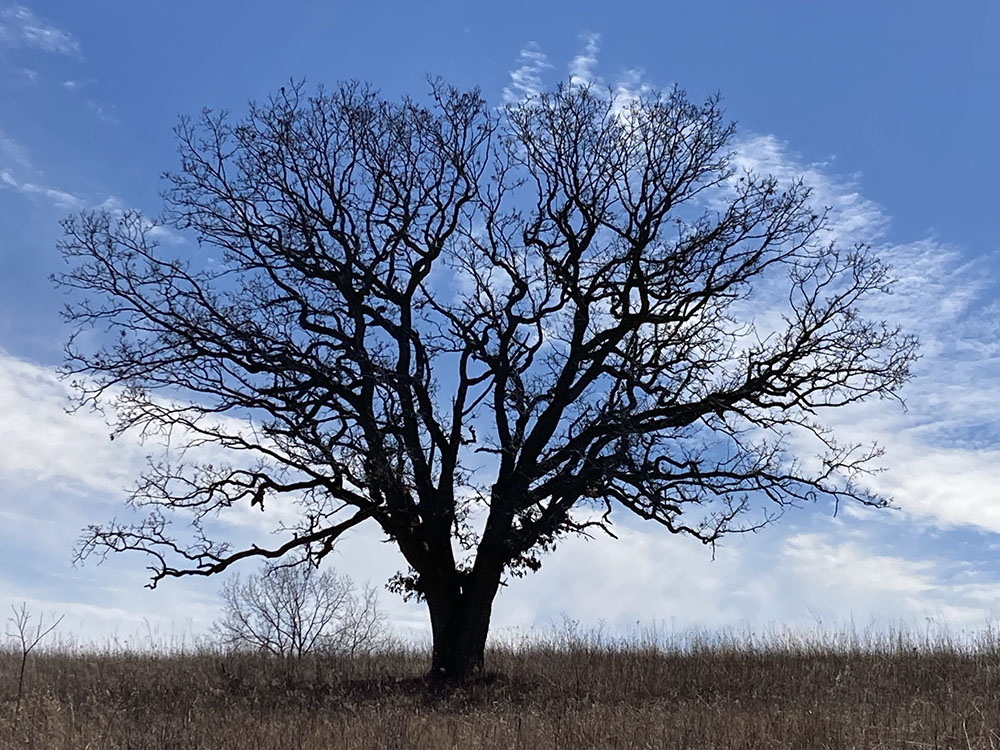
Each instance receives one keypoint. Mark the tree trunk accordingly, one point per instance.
(460, 621)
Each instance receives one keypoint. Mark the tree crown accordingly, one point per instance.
(480, 329)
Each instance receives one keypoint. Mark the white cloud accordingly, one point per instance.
(943, 458)
(651, 578)
(66, 464)
(853, 217)
(20, 27)
(45, 445)
(112, 204)
(60, 471)
(157, 232)
(888, 587)
(14, 155)
(837, 566)
(11, 152)
(581, 68)
(526, 79)
(945, 487)
(59, 198)
(943, 453)
(630, 89)
(124, 613)
(73, 453)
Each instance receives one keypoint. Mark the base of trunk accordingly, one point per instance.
(460, 624)
(459, 653)
(453, 667)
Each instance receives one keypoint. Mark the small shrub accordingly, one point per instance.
(293, 610)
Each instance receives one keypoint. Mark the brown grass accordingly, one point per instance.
(569, 692)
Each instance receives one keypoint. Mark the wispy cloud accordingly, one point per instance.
(101, 113)
(158, 232)
(60, 471)
(943, 453)
(20, 27)
(853, 217)
(12, 152)
(61, 199)
(15, 161)
(526, 78)
(581, 68)
(14, 158)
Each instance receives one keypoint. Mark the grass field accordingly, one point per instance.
(566, 692)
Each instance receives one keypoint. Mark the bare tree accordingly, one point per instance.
(27, 639)
(480, 329)
(292, 610)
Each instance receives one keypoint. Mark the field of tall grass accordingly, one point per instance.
(566, 690)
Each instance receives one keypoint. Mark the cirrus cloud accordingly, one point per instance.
(20, 27)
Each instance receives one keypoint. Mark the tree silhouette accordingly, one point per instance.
(480, 329)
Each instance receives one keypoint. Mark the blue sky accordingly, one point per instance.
(889, 109)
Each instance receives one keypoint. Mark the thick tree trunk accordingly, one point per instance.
(460, 622)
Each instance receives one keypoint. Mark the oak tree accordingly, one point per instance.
(482, 329)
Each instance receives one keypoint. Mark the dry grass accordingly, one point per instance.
(569, 692)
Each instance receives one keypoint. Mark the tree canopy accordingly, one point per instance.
(480, 329)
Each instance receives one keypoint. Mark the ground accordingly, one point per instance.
(576, 693)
